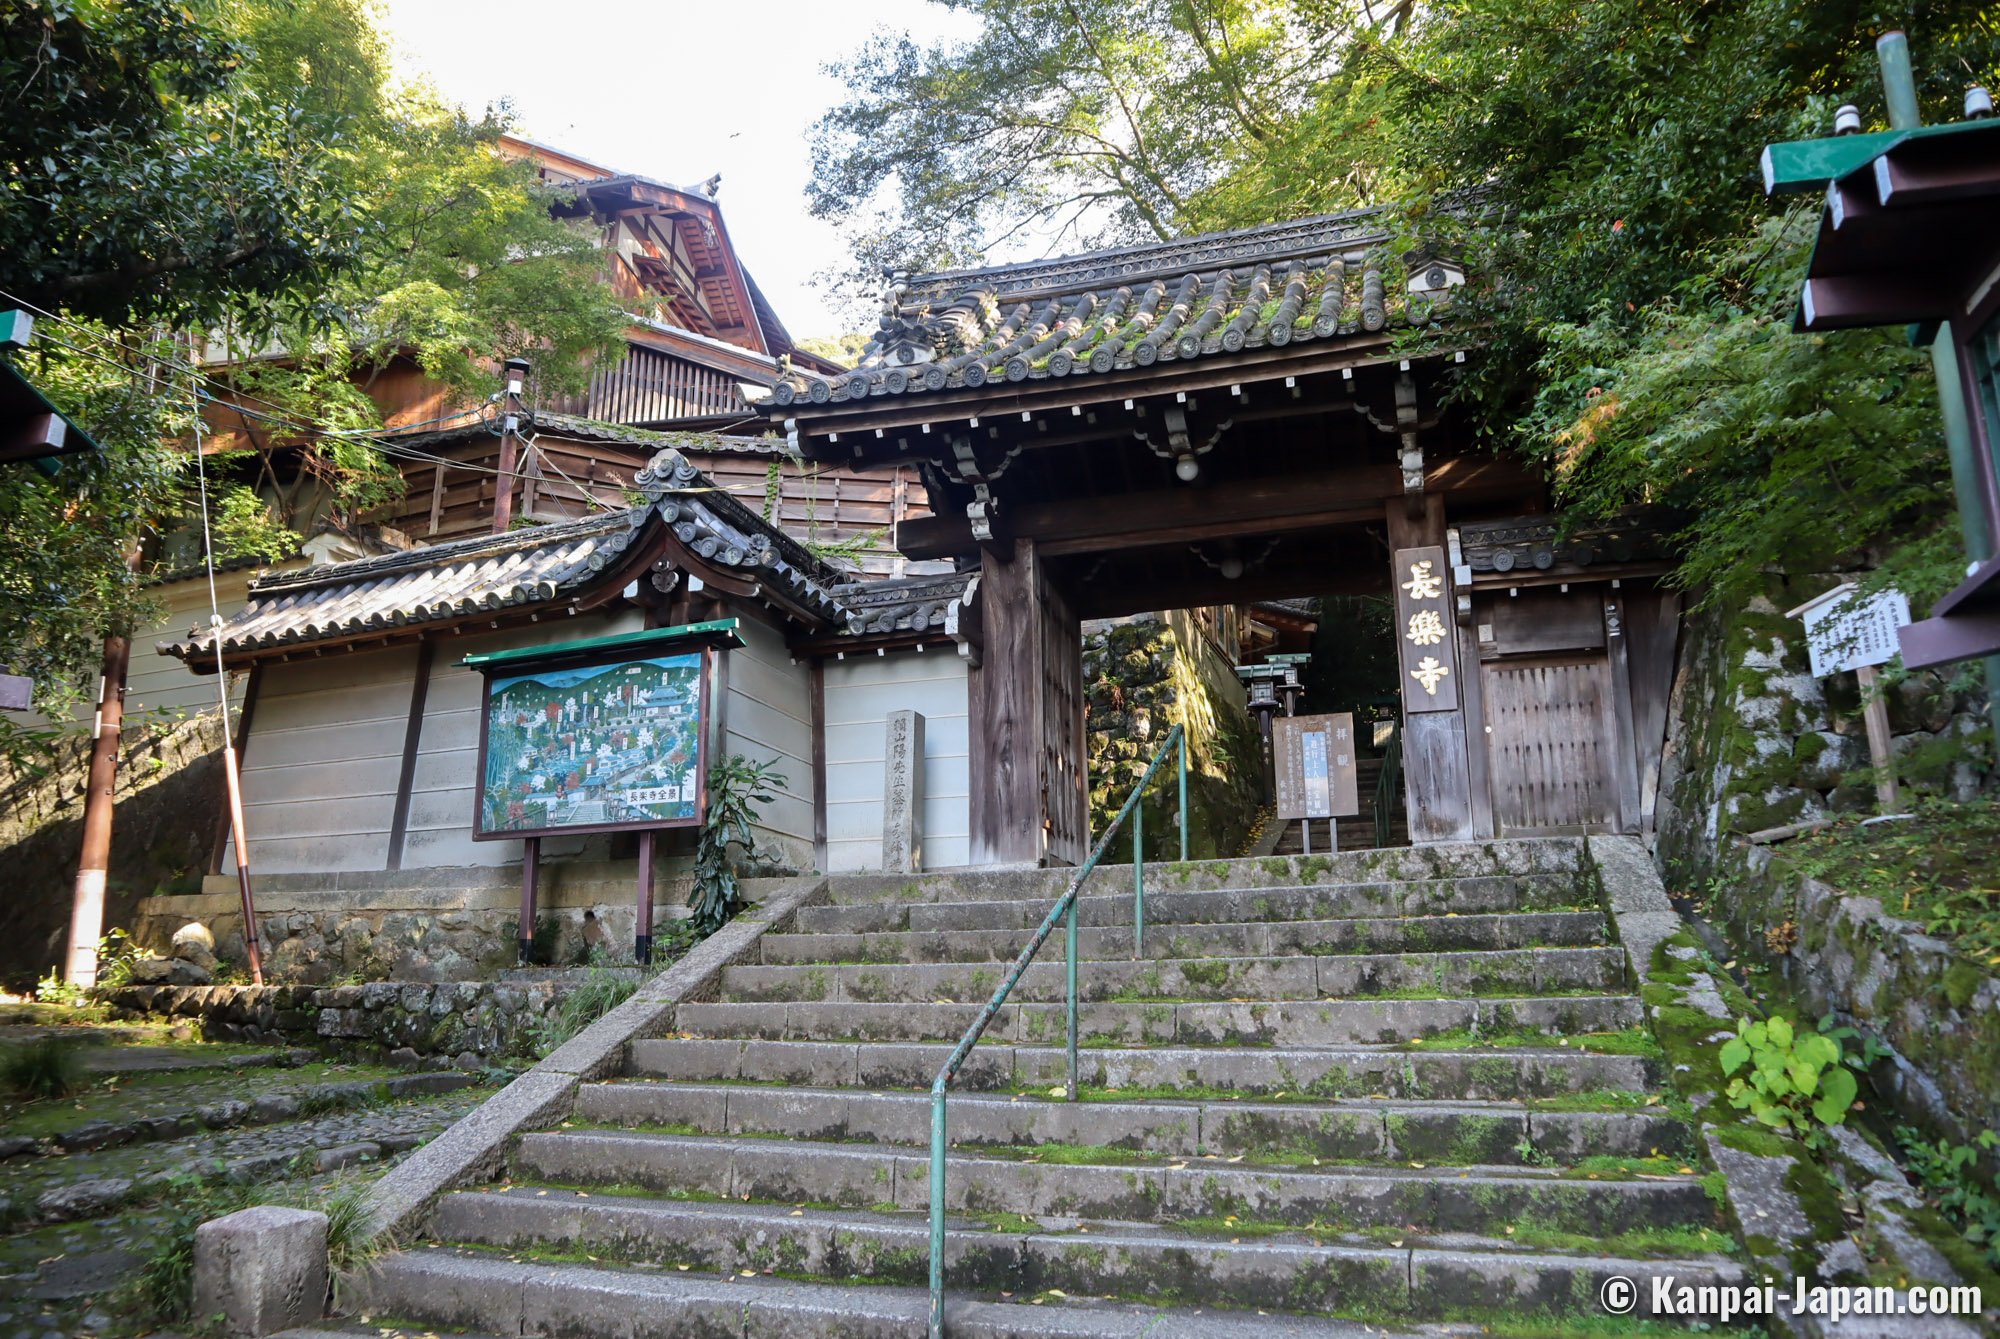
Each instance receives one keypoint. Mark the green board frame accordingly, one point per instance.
(602, 736)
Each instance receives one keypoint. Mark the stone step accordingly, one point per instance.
(1295, 1272)
(452, 1289)
(1558, 856)
(1459, 1133)
(1481, 1201)
(1226, 939)
(1110, 903)
(1284, 1023)
(1469, 1074)
(1335, 976)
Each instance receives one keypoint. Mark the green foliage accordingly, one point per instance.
(1796, 452)
(603, 989)
(162, 1292)
(1950, 1174)
(1941, 868)
(244, 169)
(53, 989)
(736, 786)
(843, 349)
(150, 176)
(116, 954)
(43, 1068)
(1790, 1080)
(1078, 120)
(1593, 164)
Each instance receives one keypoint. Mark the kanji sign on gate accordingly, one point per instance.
(1428, 648)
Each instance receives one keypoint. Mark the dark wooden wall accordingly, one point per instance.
(1575, 684)
(649, 385)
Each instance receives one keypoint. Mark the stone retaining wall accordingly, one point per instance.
(440, 924)
(469, 1024)
(1754, 741)
(1140, 678)
(1936, 1010)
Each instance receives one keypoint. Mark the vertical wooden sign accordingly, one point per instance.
(1426, 640)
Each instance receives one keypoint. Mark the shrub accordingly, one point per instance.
(735, 787)
(1791, 1080)
(48, 1067)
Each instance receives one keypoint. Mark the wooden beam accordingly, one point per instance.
(1902, 182)
(413, 731)
(1106, 597)
(34, 436)
(1238, 507)
(996, 398)
(1005, 697)
(1845, 301)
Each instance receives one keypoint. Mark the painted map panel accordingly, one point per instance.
(593, 746)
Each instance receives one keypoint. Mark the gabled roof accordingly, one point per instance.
(1324, 278)
(687, 523)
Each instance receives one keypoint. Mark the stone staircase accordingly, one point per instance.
(1380, 1089)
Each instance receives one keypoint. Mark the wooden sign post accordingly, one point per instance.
(1314, 758)
(1845, 631)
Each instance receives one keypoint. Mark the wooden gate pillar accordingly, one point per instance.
(1030, 801)
(1437, 779)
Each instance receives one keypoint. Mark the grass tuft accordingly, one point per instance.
(44, 1068)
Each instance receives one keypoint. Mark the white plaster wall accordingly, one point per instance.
(320, 767)
(443, 783)
(158, 686)
(861, 691)
(767, 717)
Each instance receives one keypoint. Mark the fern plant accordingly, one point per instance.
(736, 786)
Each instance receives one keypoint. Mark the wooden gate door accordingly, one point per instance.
(1551, 745)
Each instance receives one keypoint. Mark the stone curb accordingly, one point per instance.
(1772, 1223)
(476, 1147)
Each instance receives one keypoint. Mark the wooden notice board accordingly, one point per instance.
(1315, 766)
(1426, 639)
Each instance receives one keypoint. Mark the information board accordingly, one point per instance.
(1314, 757)
(1848, 632)
(593, 747)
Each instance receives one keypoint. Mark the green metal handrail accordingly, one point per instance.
(1064, 909)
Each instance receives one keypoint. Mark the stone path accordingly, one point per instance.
(79, 1223)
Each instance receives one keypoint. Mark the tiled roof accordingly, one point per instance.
(1307, 607)
(340, 602)
(1325, 278)
(1538, 544)
(907, 604)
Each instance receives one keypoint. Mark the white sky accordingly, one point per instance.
(674, 90)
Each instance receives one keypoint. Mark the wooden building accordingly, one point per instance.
(361, 717)
(1221, 420)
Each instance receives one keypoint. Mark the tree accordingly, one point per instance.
(239, 171)
(1593, 162)
(147, 178)
(1068, 122)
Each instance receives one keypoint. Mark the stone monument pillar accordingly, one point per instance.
(903, 794)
